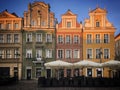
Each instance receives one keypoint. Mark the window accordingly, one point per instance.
(39, 37)
(76, 54)
(89, 38)
(68, 54)
(8, 38)
(8, 53)
(16, 53)
(106, 38)
(97, 38)
(8, 26)
(38, 53)
(16, 38)
(48, 53)
(68, 24)
(106, 54)
(76, 39)
(97, 24)
(1, 54)
(60, 54)
(1, 26)
(68, 39)
(16, 25)
(98, 53)
(29, 37)
(60, 39)
(28, 53)
(1, 38)
(89, 53)
(48, 37)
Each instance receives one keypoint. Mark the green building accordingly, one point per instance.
(38, 40)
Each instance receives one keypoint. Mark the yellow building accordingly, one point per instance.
(98, 42)
(10, 44)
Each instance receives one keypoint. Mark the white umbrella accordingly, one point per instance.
(58, 63)
(86, 63)
(111, 63)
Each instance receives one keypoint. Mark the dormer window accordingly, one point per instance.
(97, 24)
(68, 24)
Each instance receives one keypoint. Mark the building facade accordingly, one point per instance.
(69, 42)
(38, 40)
(117, 47)
(10, 45)
(98, 42)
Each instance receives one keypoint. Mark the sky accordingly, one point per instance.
(59, 7)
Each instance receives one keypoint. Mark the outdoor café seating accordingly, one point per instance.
(78, 82)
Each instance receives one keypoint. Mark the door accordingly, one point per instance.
(89, 72)
(68, 72)
(48, 73)
(99, 72)
(28, 74)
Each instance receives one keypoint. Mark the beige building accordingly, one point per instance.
(10, 44)
(98, 41)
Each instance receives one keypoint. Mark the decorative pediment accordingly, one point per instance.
(98, 10)
(69, 13)
(6, 14)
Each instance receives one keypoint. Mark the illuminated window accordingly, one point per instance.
(68, 24)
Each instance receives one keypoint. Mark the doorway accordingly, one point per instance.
(28, 74)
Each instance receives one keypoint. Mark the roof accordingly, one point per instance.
(98, 10)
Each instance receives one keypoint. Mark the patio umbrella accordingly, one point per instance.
(58, 63)
(111, 63)
(86, 63)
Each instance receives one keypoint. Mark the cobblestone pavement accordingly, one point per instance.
(32, 85)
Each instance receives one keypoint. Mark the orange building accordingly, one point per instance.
(69, 42)
(10, 45)
(98, 41)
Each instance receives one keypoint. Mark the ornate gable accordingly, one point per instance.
(6, 14)
(98, 10)
(69, 13)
